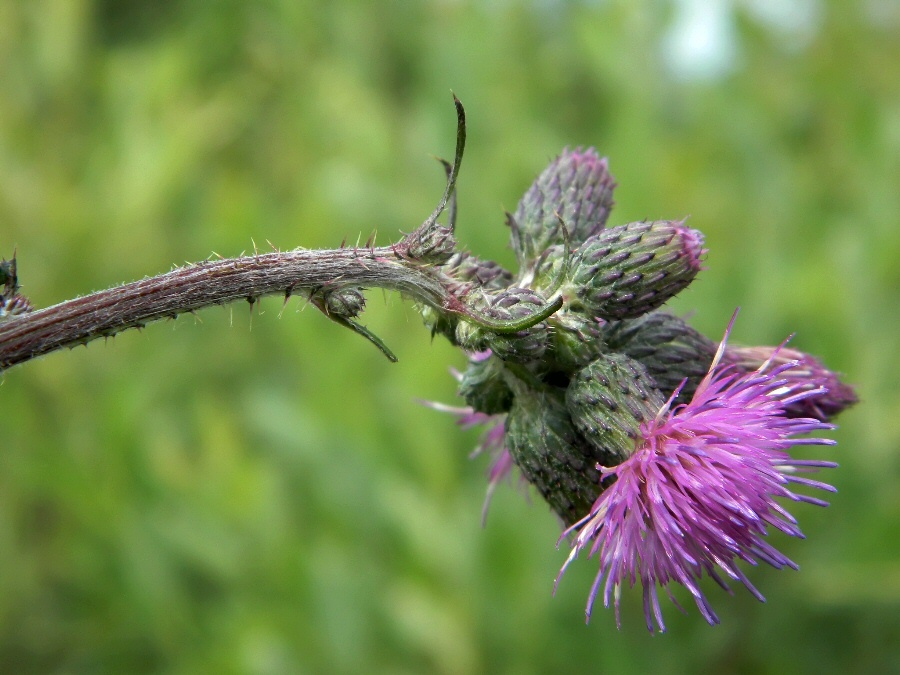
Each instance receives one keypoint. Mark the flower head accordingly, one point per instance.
(699, 493)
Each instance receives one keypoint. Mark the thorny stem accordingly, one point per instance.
(187, 289)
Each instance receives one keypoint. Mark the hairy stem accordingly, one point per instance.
(193, 287)
(186, 289)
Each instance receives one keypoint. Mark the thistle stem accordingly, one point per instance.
(193, 287)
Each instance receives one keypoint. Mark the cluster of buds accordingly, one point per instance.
(661, 451)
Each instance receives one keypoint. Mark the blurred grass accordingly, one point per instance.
(203, 497)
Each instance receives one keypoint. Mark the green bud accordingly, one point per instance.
(8, 277)
(630, 270)
(484, 387)
(576, 187)
(472, 273)
(433, 244)
(11, 303)
(549, 268)
(609, 400)
(574, 335)
(551, 454)
(18, 304)
(523, 346)
(668, 348)
(344, 302)
(439, 323)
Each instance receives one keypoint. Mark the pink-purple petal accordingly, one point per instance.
(699, 493)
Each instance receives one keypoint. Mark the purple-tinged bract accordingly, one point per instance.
(806, 372)
(577, 188)
(699, 493)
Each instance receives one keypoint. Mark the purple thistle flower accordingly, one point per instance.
(699, 493)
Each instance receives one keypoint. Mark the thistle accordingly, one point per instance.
(804, 372)
(664, 455)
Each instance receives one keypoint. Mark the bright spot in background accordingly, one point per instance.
(702, 43)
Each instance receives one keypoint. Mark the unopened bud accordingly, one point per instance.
(344, 302)
(576, 187)
(667, 347)
(808, 374)
(8, 278)
(549, 268)
(11, 303)
(609, 400)
(523, 346)
(18, 304)
(471, 274)
(574, 340)
(551, 454)
(432, 244)
(487, 274)
(440, 323)
(483, 386)
(630, 270)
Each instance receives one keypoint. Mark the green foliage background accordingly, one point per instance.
(203, 497)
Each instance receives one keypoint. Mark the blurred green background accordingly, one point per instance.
(238, 494)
